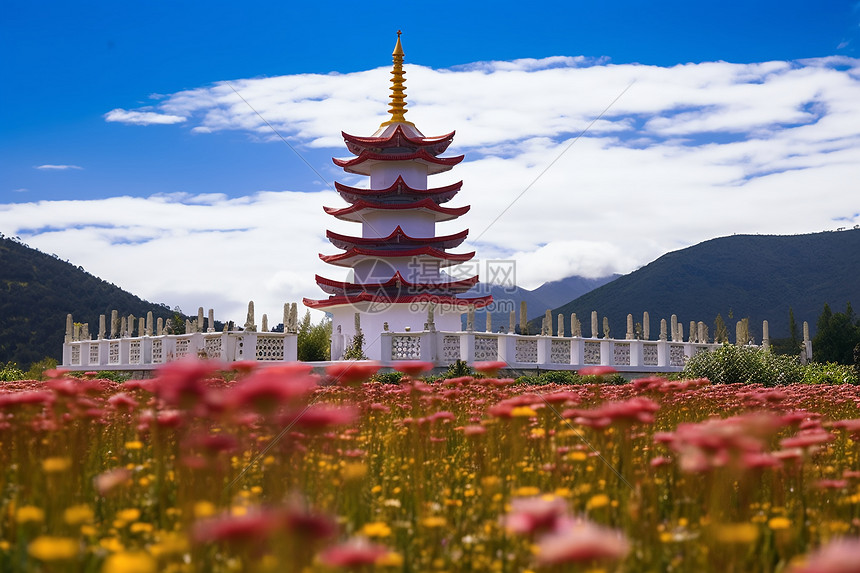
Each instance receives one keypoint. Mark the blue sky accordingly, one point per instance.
(90, 88)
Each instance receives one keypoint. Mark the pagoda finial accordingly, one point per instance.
(397, 105)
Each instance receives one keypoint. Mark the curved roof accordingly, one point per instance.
(399, 191)
(397, 237)
(397, 139)
(396, 282)
(354, 211)
(461, 304)
(356, 254)
(367, 159)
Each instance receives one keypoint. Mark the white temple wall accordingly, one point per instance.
(382, 175)
(414, 223)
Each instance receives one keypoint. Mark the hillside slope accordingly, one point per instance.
(36, 293)
(755, 276)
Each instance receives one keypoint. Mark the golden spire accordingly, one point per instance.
(397, 107)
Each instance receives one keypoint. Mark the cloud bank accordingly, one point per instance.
(688, 153)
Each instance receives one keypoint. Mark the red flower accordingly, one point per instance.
(532, 515)
(412, 367)
(250, 527)
(578, 542)
(490, 368)
(354, 553)
(597, 371)
(269, 387)
(351, 373)
(839, 556)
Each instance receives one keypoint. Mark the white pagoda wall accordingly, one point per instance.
(383, 175)
(398, 317)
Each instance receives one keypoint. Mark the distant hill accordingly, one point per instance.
(36, 293)
(755, 276)
(548, 295)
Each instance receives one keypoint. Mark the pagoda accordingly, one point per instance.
(397, 266)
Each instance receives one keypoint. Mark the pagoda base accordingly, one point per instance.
(400, 317)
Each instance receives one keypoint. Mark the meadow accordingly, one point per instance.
(277, 469)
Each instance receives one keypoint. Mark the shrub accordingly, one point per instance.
(37, 369)
(10, 372)
(387, 377)
(730, 364)
(828, 373)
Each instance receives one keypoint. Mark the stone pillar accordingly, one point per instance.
(141, 326)
(114, 324)
(765, 335)
(548, 316)
(431, 316)
(249, 320)
(560, 325)
(576, 326)
(680, 336)
(543, 326)
(701, 332)
(674, 325)
(470, 318)
(85, 331)
(123, 327)
(130, 324)
(76, 332)
(595, 332)
(294, 318)
(512, 327)
(524, 320)
(210, 325)
(693, 331)
(606, 327)
(739, 334)
(149, 323)
(101, 327)
(357, 322)
(630, 333)
(489, 321)
(189, 327)
(663, 334)
(265, 322)
(159, 326)
(199, 319)
(646, 326)
(286, 319)
(70, 328)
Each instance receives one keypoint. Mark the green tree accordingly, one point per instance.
(314, 340)
(721, 332)
(837, 335)
(792, 329)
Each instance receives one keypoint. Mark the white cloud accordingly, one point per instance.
(48, 167)
(689, 153)
(137, 117)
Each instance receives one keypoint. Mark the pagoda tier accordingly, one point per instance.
(459, 305)
(396, 282)
(396, 140)
(357, 211)
(397, 193)
(365, 163)
(397, 239)
(356, 255)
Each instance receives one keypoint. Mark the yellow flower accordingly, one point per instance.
(737, 533)
(577, 456)
(390, 559)
(130, 562)
(434, 521)
(140, 527)
(779, 523)
(56, 464)
(29, 513)
(47, 548)
(134, 445)
(526, 491)
(112, 544)
(78, 514)
(376, 529)
(204, 509)
(354, 471)
(597, 501)
(130, 514)
(523, 412)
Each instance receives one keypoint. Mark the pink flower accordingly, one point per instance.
(351, 373)
(267, 388)
(250, 527)
(354, 553)
(597, 371)
(122, 401)
(838, 556)
(489, 368)
(318, 417)
(534, 515)
(412, 367)
(107, 481)
(182, 383)
(581, 541)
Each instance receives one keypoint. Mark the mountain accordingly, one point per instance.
(754, 276)
(36, 293)
(548, 295)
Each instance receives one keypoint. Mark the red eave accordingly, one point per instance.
(361, 164)
(353, 212)
(398, 189)
(461, 304)
(350, 257)
(397, 138)
(397, 237)
(339, 287)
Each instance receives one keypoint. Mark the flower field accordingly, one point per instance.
(278, 469)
